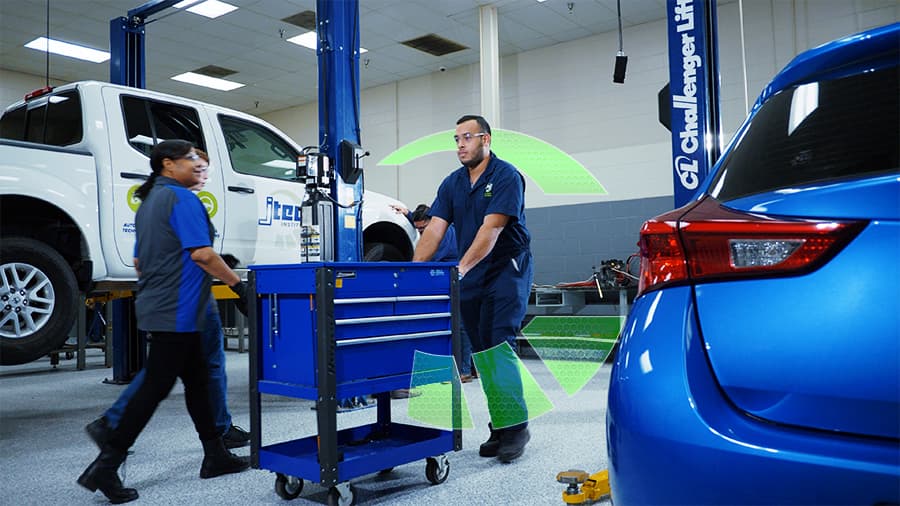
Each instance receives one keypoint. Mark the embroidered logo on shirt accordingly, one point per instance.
(487, 190)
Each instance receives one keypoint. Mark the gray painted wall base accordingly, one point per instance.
(569, 241)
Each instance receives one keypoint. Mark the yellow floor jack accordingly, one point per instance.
(593, 487)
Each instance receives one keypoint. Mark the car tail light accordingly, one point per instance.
(709, 241)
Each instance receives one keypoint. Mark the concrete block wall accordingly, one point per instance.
(569, 241)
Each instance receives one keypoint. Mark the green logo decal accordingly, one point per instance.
(133, 202)
(553, 170)
(209, 202)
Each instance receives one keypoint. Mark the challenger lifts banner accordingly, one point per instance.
(693, 81)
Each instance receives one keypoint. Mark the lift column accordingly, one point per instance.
(126, 44)
(338, 53)
(694, 93)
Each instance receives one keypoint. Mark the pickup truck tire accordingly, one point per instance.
(38, 300)
(382, 252)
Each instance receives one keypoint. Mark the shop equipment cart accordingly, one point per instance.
(330, 331)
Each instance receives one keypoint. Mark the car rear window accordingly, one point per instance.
(821, 131)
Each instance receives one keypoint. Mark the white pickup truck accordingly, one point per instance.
(70, 160)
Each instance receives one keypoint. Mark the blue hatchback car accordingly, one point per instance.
(760, 363)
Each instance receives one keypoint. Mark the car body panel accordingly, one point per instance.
(870, 198)
(766, 386)
(817, 350)
(673, 438)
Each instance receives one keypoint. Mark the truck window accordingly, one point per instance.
(255, 150)
(52, 119)
(148, 122)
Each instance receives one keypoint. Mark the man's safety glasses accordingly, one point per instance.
(467, 137)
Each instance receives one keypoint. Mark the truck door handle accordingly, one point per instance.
(133, 175)
(240, 189)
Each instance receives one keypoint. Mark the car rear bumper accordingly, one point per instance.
(673, 438)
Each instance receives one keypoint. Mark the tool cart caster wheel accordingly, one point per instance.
(288, 487)
(437, 469)
(345, 498)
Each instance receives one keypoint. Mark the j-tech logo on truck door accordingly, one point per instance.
(280, 212)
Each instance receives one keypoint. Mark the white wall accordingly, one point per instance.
(14, 86)
(564, 95)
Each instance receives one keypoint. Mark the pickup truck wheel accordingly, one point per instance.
(38, 300)
(382, 252)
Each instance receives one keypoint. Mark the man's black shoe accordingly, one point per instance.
(236, 437)
(512, 444)
(489, 448)
(99, 431)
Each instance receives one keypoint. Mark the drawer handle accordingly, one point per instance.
(393, 318)
(405, 298)
(396, 337)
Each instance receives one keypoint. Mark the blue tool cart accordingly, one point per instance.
(330, 331)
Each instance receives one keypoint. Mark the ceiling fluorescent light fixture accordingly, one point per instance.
(210, 8)
(67, 49)
(209, 82)
(310, 40)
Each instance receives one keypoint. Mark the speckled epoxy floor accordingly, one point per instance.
(43, 447)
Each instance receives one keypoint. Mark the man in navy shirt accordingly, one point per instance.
(485, 201)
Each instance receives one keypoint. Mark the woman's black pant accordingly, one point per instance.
(172, 355)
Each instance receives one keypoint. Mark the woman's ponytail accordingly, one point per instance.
(144, 190)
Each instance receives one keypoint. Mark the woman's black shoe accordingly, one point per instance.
(103, 474)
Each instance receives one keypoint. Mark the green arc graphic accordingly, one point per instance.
(553, 170)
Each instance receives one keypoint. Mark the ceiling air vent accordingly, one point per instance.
(305, 19)
(214, 71)
(435, 45)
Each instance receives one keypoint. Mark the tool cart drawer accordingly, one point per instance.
(375, 314)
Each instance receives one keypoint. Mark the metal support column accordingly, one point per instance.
(338, 53)
(129, 344)
(489, 36)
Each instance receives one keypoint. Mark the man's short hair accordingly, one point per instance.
(421, 213)
(482, 123)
